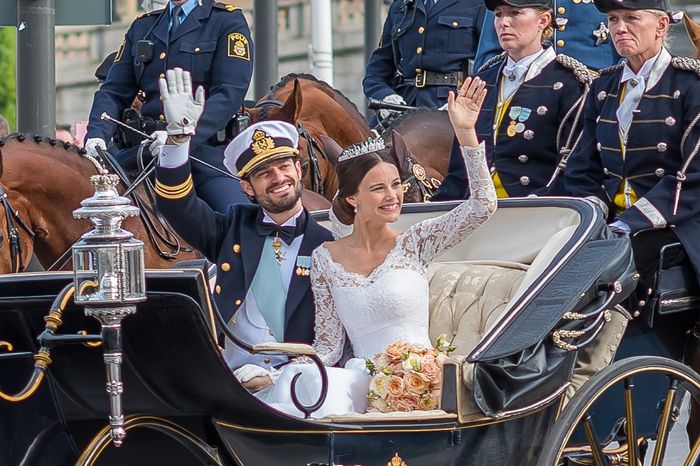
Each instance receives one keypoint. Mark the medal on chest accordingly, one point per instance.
(303, 266)
(517, 115)
(277, 249)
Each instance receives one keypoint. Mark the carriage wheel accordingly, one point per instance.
(578, 436)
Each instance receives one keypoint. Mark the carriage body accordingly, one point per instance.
(556, 256)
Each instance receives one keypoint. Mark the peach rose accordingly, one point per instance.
(395, 386)
(406, 402)
(431, 372)
(441, 358)
(381, 360)
(416, 383)
(396, 350)
(416, 348)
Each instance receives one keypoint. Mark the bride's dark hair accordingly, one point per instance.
(350, 173)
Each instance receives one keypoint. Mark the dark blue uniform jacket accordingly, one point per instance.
(525, 160)
(442, 40)
(213, 43)
(657, 148)
(231, 241)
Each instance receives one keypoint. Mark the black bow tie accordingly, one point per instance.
(286, 233)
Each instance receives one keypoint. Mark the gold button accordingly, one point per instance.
(217, 289)
(561, 10)
(162, 117)
(197, 49)
(421, 30)
(162, 55)
(233, 321)
(419, 71)
(238, 302)
(560, 43)
(398, 30)
(562, 28)
(419, 50)
(236, 248)
(266, 360)
(455, 24)
(162, 75)
(225, 266)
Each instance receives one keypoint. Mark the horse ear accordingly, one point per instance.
(399, 151)
(291, 110)
(331, 148)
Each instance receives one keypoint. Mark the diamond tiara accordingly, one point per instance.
(361, 148)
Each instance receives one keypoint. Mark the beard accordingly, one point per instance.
(277, 206)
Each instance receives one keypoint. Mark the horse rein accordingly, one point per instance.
(316, 182)
(12, 215)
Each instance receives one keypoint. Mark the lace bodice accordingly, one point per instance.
(391, 303)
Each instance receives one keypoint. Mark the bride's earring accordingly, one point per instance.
(355, 209)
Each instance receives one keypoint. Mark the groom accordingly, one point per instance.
(263, 251)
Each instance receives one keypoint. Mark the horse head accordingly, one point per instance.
(316, 109)
(421, 141)
(16, 236)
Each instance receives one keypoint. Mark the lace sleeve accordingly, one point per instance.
(338, 228)
(330, 333)
(433, 236)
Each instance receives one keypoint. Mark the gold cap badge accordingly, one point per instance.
(261, 142)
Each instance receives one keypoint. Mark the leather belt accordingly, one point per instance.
(433, 78)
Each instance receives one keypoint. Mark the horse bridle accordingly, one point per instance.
(417, 176)
(11, 215)
(313, 146)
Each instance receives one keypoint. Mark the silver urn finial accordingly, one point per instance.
(109, 276)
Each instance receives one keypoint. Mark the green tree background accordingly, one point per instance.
(7, 75)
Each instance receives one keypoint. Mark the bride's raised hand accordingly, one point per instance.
(464, 107)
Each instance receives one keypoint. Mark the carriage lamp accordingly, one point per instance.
(109, 279)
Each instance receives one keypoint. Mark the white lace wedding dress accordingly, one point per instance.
(388, 305)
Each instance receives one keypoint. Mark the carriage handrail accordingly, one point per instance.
(288, 349)
(376, 104)
(47, 340)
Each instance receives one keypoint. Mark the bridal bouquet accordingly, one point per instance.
(407, 377)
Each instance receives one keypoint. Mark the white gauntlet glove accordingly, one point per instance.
(92, 144)
(182, 111)
(156, 146)
(391, 99)
(250, 371)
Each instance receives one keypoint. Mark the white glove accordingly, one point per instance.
(181, 109)
(443, 108)
(390, 99)
(250, 371)
(92, 144)
(156, 146)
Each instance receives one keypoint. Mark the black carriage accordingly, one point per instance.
(532, 301)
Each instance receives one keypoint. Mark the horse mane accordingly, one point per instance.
(39, 139)
(397, 118)
(324, 86)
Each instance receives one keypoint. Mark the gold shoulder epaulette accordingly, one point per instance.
(686, 64)
(492, 61)
(611, 69)
(151, 13)
(224, 5)
(580, 70)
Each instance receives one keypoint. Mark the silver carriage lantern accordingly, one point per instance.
(108, 265)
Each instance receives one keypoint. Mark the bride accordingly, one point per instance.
(371, 286)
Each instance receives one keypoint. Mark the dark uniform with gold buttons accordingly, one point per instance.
(525, 134)
(424, 50)
(234, 242)
(580, 31)
(214, 44)
(639, 180)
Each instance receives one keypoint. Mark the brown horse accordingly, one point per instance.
(44, 181)
(423, 150)
(316, 109)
